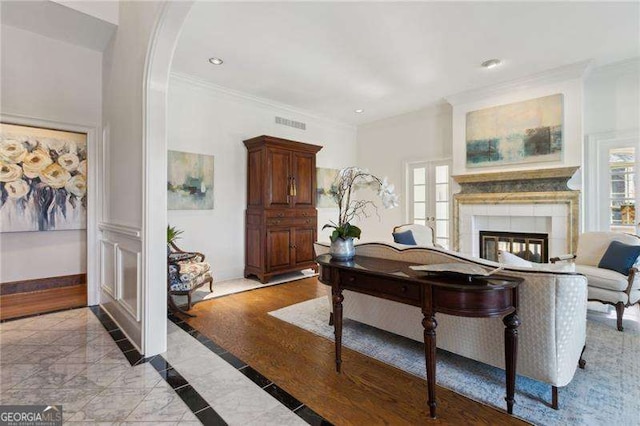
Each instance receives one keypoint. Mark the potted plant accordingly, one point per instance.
(343, 190)
(173, 234)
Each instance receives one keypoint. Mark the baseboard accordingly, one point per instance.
(31, 297)
(40, 284)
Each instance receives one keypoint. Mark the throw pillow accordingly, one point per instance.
(619, 257)
(405, 237)
(511, 259)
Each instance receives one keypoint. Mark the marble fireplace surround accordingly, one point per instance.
(518, 201)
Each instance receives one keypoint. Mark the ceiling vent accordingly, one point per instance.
(291, 123)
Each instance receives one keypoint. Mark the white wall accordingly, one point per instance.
(612, 97)
(207, 120)
(51, 80)
(385, 146)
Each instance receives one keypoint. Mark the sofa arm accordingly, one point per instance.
(562, 258)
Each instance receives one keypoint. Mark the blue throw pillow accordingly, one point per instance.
(405, 237)
(619, 257)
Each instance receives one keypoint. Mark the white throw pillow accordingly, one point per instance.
(511, 259)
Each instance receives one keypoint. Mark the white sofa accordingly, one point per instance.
(553, 311)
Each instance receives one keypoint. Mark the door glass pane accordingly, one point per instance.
(420, 221)
(442, 174)
(442, 210)
(420, 193)
(442, 228)
(442, 192)
(419, 176)
(419, 210)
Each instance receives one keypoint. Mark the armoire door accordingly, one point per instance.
(303, 244)
(304, 179)
(279, 177)
(279, 244)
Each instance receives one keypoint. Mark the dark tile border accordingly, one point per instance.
(288, 400)
(196, 403)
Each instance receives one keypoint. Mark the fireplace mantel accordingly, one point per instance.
(525, 187)
(539, 180)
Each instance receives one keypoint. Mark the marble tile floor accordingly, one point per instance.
(69, 358)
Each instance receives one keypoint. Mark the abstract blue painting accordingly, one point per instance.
(522, 132)
(189, 181)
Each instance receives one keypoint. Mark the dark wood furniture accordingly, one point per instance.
(452, 295)
(281, 216)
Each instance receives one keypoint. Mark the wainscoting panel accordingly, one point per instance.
(129, 281)
(121, 266)
(108, 267)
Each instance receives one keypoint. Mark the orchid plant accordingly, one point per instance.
(348, 181)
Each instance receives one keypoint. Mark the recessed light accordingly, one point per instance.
(491, 63)
(358, 111)
(216, 61)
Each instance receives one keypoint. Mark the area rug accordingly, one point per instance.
(239, 285)
(606, 392)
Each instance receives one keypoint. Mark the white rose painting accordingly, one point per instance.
(43, 179)
(190, 181)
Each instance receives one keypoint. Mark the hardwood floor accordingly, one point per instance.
(367, 392)
(38, 302)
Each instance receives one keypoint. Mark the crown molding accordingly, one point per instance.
(207, 85)
(626, 66)
(567, 72)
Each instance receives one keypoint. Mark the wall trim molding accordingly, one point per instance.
(555, 75)
(207, 85)
(129, 231)
(134, 311)
(39, 284)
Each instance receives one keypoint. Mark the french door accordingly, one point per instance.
(429, 197)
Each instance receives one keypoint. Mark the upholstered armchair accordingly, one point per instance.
(605, 285)
(423, 235)
(188, 271)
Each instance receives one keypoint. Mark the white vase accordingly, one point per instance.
(342, 249)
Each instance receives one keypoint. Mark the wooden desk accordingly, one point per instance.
(394, 280)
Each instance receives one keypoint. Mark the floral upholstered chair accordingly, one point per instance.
(187, 272)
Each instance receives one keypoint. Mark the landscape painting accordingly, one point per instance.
(189, 181)
(325, 178)
(43, 179)
(522, 132)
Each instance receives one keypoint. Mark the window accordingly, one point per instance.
(622, 209)
(430, 197)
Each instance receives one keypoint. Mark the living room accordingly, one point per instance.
(385, 87)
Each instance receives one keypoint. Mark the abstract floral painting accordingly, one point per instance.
(43, 179)
(190, 181)
(325, 178)
(522, 132)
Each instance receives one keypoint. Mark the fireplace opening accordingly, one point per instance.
(528, 246)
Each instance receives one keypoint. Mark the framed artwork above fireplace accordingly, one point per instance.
(523, 132)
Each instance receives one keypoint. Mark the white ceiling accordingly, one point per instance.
(389, 58)
(60, 22)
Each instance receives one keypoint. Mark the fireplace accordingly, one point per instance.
(533, 247)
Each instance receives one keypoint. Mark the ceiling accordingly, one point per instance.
(388, 58)
(59, 22)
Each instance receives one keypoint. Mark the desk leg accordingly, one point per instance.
(429, 323)
(337, 323)
(511, 322)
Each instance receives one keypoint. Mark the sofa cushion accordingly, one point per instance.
(619, 257)
(511, 259)
(405, 238)
(603, 278)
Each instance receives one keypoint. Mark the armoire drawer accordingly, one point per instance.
(292, 221)
(287, 213)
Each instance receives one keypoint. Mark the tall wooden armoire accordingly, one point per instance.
(281, 216)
